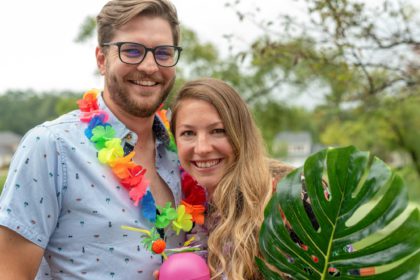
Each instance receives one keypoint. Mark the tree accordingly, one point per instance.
(20, 111)
(344, 39)
(273, 117)
(363, 57)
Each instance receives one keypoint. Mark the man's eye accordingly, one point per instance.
(132, 52)
(163, 53)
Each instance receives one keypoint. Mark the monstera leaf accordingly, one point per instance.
(353, 197)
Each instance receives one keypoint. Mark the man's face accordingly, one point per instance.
(137, 90)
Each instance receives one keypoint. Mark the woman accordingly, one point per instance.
(220, 146)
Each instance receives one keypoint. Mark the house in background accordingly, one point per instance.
(9, 142)
(294, 147)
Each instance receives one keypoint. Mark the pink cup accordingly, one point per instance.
(184, 266)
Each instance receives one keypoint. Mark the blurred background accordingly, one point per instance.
(315, 73)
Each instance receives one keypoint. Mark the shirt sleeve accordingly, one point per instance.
(31, 198)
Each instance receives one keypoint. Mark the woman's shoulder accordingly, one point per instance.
(278, 170)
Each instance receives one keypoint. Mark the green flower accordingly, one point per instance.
(102, 134)
(167, 214)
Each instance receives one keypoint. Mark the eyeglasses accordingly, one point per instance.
(134, 53)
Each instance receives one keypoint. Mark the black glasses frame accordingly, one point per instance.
(152, 50)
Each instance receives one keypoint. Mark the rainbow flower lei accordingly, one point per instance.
(131, 176)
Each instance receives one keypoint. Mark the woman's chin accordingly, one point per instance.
(209, 186)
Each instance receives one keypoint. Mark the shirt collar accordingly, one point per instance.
(122, 132)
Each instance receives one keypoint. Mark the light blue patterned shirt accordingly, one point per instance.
(61, 198)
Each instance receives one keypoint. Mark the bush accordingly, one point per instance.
(412, 180)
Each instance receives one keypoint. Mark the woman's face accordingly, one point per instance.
(204, 149)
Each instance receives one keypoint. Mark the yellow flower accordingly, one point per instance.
(183, 220)
(112, 151)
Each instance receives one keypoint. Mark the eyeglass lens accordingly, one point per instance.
(134, 53)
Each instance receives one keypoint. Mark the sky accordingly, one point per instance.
(39, 52)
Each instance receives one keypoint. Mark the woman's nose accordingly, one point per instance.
(202, 144)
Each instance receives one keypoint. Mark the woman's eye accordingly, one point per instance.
(219, 131)
(186, 133)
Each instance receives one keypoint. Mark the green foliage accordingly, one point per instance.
(67, 104)
(2, 181)
(20, 110)
(197, 53)
(412, 178)
(369, 75)
(272, 117)
(403, 117)
(87, 29)
(384, 130)
(354, 180)
(370, 134)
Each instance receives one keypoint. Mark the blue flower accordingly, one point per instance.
(148, 207)
(98, 119)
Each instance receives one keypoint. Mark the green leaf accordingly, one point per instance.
(353, 210)
(148, 240)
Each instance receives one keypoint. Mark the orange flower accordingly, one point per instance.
(121, 166)
(162, 114)
(196, 211)
(91, 94)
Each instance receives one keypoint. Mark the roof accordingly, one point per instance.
(293, 137)
(8, 138)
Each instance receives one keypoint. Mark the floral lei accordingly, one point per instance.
(131, 177)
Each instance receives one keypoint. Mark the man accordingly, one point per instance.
(63, 207)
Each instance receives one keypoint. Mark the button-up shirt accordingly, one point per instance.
(60, 197)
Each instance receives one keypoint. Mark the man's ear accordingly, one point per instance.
(100, 60)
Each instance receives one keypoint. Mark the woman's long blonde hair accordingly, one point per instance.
(239, 200)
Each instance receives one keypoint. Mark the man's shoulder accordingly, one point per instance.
(65, 119)
(63, 126)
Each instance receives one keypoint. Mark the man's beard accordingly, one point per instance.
(124, 101)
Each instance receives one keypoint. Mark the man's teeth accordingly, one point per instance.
(207, 164)
(145, 83)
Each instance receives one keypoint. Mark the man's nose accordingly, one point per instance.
(148, 65)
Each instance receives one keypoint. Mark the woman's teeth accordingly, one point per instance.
(207, 164)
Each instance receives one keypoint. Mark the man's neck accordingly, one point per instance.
(141, 126)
